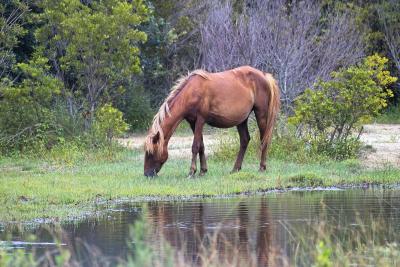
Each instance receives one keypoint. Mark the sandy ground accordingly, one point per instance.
(178, 146)
(382, 145)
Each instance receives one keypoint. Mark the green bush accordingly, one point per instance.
(330, 117)
(287, 146)
(340, 149)
(26, 116)
(109, 123)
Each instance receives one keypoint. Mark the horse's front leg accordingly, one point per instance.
(203, 161)
(197, 144)
(193, 165)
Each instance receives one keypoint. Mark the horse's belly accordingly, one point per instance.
(228, 118)
(228, 105)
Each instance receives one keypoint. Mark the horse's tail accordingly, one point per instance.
(274, 103)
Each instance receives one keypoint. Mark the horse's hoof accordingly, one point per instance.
(262, 169)
(191, 175)
(234, 171)
(202, 172)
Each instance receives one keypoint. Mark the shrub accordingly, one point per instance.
(330, 115)
(287, 146)
(26, 117)
(109, 123)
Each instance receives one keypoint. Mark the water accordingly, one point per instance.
(246, 228)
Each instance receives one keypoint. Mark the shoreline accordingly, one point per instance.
(109, 205)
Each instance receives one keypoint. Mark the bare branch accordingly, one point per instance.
(289, 41)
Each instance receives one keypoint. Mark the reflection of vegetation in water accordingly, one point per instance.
(367, 242)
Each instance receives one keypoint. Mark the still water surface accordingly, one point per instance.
(246, 227)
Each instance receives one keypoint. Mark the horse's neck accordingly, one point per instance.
(169, 126)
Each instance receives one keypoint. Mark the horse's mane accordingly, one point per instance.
(164, 111)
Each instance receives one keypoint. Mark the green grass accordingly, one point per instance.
(57, 190)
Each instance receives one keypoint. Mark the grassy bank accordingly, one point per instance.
(60, 189)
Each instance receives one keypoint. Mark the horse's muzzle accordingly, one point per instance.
(150, 173)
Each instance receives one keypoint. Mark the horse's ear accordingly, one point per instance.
(156, 138)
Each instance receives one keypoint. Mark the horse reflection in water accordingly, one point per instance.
(203, 235)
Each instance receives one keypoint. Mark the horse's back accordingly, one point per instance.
(228, 97)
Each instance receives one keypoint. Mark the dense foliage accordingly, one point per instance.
(62, 61)
(26, 111)
(93, 48)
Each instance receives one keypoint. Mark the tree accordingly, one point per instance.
(390, 19)
(172, 47)
(11, 18)
(290, 39)
(93, 48)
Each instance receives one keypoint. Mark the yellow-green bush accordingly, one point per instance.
(109, 123)
(331, 115)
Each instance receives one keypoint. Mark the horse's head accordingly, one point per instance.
(155, 155)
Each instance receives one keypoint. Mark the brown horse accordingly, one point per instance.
(223, 100)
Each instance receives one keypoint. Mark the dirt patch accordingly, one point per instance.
(178, 146)
(382, 145)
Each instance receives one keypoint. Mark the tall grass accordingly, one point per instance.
(285, 145)
(391, 115)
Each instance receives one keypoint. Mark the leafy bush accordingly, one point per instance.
(109, 123)
(26, 117)
(33, 117)
(330, 115)
(287, 146)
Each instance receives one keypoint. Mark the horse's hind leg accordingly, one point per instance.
(261, 117)
(198, 147)
(244, 141)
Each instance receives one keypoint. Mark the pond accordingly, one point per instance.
(241, 229)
